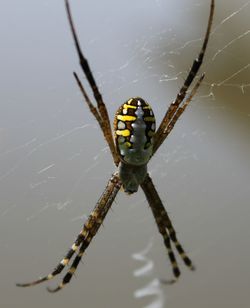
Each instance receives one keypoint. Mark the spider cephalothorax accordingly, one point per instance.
(135, 143)
(134, 128)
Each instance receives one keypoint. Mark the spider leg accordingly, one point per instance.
(88, 231)
(57, 270)
(92, 108)
(173, 108)
(165, 226)
(167, 242)
(66, 279)
(182, 108)
(103, 117)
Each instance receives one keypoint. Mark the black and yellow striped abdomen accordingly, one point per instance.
(134, 127)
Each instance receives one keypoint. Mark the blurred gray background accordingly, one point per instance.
(54, 163)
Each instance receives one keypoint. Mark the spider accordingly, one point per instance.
(135, 142)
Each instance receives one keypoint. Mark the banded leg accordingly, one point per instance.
(88, 231)
(102, 117)
(182, 108)
(167, 242)
(165, 226)
(66, 279)
(173, 108)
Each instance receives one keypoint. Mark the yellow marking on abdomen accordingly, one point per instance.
(126, 118)
(129, 106)
(124, 132)
(128, 144)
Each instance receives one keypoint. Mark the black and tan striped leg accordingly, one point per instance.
(163, 231)
(66, 279)
(58, 269)
(100, 113)
(165, 226)
(182, 108)
(160, 136)
(89, 230)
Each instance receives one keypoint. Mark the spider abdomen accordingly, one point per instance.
(134, 127)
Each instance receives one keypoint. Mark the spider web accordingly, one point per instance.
(55, 164)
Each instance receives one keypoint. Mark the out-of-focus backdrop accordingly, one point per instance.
(54, 163)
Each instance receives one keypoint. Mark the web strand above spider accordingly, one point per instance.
(135, 142)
